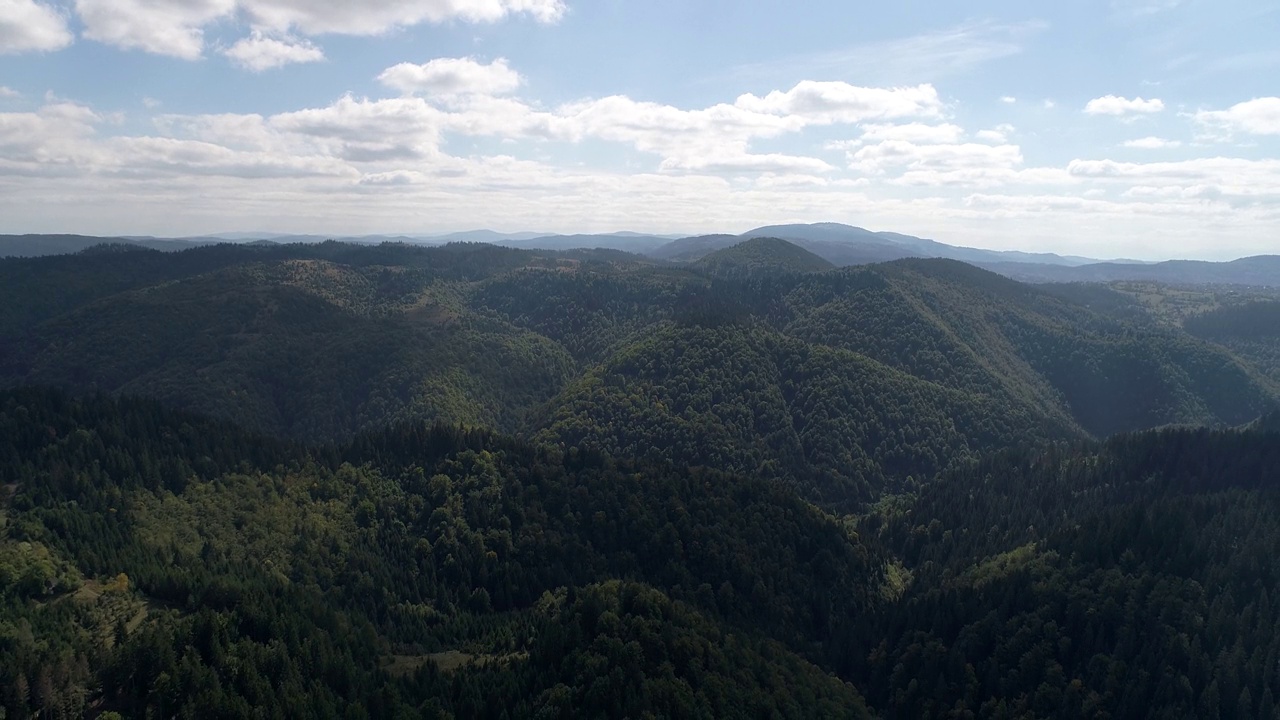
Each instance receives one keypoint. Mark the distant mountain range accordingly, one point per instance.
(839, 244)
(1261, 271)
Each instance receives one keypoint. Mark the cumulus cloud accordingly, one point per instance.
(258, 52)
(8, 93)
(1152, 143)
(26, 26)
(176, 27)
(1120, 107)
(62, 139)
(826, 103)
(1008, 100)
(362, 131)
(389, 142)
(371, 162)
(912, 132)
(769, 163)
(1260, 116)
(1233, 180)
(906, 163)
(997, 134)
(48, 139)
(409, 129)
(164, 27)
(898, 153)
(372, 17)
(684, 138)
(449, 77)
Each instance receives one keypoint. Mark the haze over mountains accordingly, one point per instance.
(841, 245)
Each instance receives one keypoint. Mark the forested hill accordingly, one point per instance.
(156, 563)
(470, 481)
(159, 564)
(836, 382)
(761, 256)
(1263, 271)
(1133, 579)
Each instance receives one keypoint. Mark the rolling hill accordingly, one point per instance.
(342, 480)
(761, 256)
(834, 381)
(845, 245)
(413, 571)
(1260, 271)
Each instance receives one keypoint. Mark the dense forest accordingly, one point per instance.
(469, 481)
(756, 362)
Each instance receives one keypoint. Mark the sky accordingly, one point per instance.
(1144, 129)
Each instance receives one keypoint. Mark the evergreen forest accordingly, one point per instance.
(336, 480)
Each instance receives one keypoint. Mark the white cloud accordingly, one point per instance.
(50, 136)
(1119, 107)
(825, 103)
(451, 77)
(1233, 180)
(176, 27)
(651, 125)
(8, 93)
(258, 52)
(771, 163)
(782, 181)
(997, 134)
(968, 164)
(1152, 143)
(62, 139)
(373, 17)
(152, 156)
(898, 153)
(716, 139)
(1049, 104)
(1008, 100)
(1260, 116)
(369, 131)
(373, 165)
(912, 132)
(973, 165)
(164, 27)
(26, 26)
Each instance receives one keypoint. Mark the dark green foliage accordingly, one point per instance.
(761, 256)
(1134, 579)
(647, 555)
(303, 348)
(1251, 331)
(840, 382)
(590, 314)
(603, 645)
(750, 400)
(263, 575)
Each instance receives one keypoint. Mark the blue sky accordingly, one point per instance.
(1111, 128)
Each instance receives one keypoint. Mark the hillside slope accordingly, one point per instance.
(1131, 579)
(170, 564)
(761, 256)
(307, 349)
(861, 374)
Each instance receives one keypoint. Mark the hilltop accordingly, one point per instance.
(761, 255)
